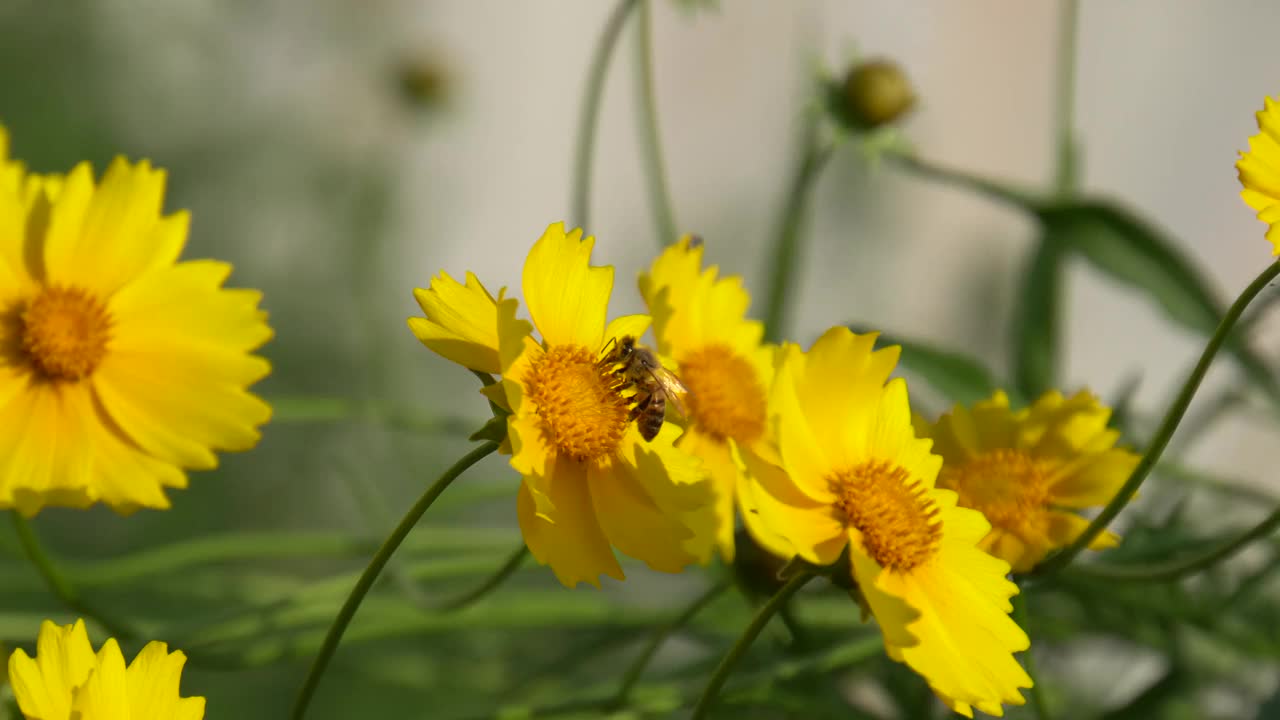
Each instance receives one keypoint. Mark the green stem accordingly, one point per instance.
(786, 249)
(508, 568)
(1067, 173)
(1165, 432)
(371, 572)
(1180, 568)
(1028, 661)
(659, 636)
(739, 649)
(650, 139)
(58, 584)
(591, 112)
(992, 189)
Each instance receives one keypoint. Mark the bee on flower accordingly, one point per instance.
(1030, 471)
(120, 367)
(67, 680)
(597, 471)
(849, 473)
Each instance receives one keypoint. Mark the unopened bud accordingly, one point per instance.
(876, 93)
(423, 82)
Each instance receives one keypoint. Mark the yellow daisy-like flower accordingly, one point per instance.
(66, 680)
(590, 479)
(700, 322)
(119, 366)
(1029, 471)
(852, 474)
(1259, 171)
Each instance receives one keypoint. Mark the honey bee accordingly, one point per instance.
(636, 366)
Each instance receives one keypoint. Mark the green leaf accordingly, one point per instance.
(961, 378)
(1035, 335)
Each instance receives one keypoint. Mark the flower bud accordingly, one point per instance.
(424, 82)
(876, 93)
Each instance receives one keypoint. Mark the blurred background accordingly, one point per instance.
(340, 153)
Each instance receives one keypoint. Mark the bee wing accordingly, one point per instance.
(672, 388)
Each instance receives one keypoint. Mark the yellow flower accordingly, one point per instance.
(119, 366)
(589, 480)
(66, 680)
(1029, 471)
(700, 323)
(1259, 171)
(852, 474)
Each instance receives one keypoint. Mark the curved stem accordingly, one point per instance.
(650, 139)
(1178, 569)
(1165, 432)
(660, 636)
(508, 569)
(727, 663)
(591, 112)
(371, 572)
(58, 584)
(994, 190)
(1028, 661)
(786, 249)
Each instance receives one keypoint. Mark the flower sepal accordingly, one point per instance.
(494, 430)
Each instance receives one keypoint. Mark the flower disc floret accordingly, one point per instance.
(581, 412)
(1008, 486)
(896, 518)
(726, 398)
(65, 332)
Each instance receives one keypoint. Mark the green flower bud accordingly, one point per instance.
(875, 93)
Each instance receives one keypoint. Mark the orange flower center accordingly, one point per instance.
(725, 397)
(65, 332)
(582, 413)
(1008, 486)
(896, 517)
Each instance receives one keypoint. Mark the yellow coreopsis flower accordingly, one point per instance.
(700, 322)
(1259, 170)
(119, 366)
(851, 474)
(1029, 471)
(590, 481)
(66, 680)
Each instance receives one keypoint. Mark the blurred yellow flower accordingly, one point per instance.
(1259, 171)
(1029, 471)
(851, 473)
(700, 322)
(590, 481)
(119, 366)
(67, 681)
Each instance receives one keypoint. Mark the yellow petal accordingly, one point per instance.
(786, 521)
(841, 388)
(176, 375)
(723, 474)
(568, 299)
(44, 685)
(102, 238)
(633, 523)
(633, 325)
(676, 480)
(517, 350)
(1096, 481)
(561, 529)
(106, 693)
(965, 640)
(892, 437)
(892, 613)
(1065, 527)
(806, 461)
(461, 322)
(46, 455)
(153, 680)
